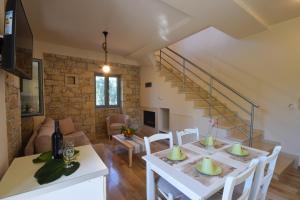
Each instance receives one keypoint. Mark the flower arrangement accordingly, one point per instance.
(127, 132)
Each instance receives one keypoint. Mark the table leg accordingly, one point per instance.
(130, 156)
(150, 184)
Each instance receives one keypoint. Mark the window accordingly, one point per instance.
(32, 92)
(107, 91)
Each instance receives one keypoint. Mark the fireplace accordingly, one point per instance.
(149, 118)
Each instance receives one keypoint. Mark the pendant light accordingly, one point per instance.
(105, 67)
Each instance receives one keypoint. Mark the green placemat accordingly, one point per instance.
(53, 169)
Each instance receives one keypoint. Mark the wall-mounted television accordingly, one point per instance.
(17, 41)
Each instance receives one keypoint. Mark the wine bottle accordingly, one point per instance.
(57, 142)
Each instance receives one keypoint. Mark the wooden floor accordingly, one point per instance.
(130, 183)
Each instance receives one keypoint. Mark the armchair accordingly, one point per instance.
(115, 122)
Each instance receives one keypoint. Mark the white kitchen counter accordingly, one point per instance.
(88, 182)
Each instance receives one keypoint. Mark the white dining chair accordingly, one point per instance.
(163, 186)
(187, 132)
(264, 174)
(232, 182)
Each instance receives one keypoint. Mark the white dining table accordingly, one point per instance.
(183, 175)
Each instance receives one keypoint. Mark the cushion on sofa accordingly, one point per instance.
(43, 139)
(46, 131)
(40, 140)
(29, 149)
(66, 126)
(78, 138)
(48, 122)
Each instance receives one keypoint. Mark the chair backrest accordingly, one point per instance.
(264, 174)
(186, 132)
(118, 118)
(157, 137)
(245, 177)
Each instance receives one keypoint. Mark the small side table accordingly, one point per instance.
(133, 145)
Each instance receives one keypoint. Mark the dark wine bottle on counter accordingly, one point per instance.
(57, 142)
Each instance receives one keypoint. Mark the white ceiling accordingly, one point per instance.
(274, 11)
(137, 27)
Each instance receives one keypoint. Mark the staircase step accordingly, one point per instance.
(169, 76)
(191, 96)
(218, 116)
(205, 103)
(284, 161)
(230, 123)
(170, 72)
(179, 83)
(240, 134)
(202, 93)
(219, 111)
(166, 70)
(239, 127)
(226, 118)
(265, 145)
(231, 117)
(206, 106)
(186, 89)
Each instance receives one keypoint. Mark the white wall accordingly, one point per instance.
(264, 67)
(163, 95)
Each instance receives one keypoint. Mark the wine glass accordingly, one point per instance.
(68, 153)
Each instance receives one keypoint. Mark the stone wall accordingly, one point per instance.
(13, 115)
(27, 125)
(130, 100)
(63, 99)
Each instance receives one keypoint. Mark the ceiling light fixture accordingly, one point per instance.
(105, 67)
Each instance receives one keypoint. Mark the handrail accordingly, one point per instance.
(214, 78)
(209, 83)
(188, 70)
(213, 88)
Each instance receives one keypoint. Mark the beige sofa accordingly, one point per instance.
(40, 140)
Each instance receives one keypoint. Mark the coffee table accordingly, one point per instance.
(134, 145)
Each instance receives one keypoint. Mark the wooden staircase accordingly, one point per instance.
(236, 128)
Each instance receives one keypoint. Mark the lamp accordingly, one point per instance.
(105, 67)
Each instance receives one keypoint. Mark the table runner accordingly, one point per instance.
(137, 142)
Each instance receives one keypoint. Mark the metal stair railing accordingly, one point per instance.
(174, 62)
